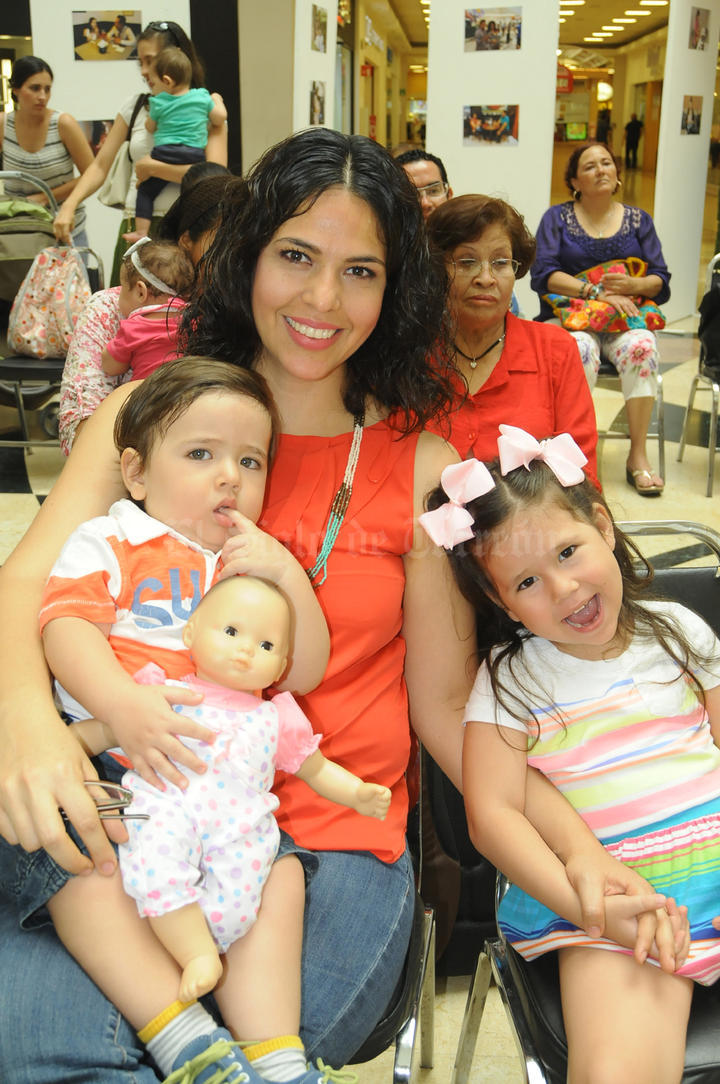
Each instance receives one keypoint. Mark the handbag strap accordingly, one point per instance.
(139, 104)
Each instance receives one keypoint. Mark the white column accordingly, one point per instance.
(526, 77)
(682, 159)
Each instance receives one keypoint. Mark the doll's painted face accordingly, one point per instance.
(238, 635)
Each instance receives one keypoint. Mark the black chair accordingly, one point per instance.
(708, 375)
(531, 992)
(410, 1014)
(411, 1011)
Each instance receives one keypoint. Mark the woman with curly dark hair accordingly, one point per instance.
(507, 370)
(319, 278)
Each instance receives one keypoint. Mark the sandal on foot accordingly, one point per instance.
(633, 477)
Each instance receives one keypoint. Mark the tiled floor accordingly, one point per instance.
(24, 478)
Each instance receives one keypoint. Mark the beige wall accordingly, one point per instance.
(266, 34)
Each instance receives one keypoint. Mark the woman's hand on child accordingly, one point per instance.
(372, 800)
(144, 168)
(149, 732)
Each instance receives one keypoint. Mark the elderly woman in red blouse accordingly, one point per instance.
(509, 371)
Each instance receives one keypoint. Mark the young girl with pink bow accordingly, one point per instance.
(615, 697)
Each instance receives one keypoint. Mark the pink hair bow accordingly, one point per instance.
(451, 523)
(565, 459)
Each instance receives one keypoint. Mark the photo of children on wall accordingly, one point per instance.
(699, 20)
(106, 35)
(490, 124)
(317, 102)
(489, 29)
(691, 115)
(319, 29)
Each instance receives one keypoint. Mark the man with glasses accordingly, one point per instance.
(427, 173)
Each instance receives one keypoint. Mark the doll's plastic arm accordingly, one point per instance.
(339, 785)
(93, 735)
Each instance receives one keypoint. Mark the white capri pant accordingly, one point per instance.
(633, 353)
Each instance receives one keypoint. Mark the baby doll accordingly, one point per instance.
(196, 868)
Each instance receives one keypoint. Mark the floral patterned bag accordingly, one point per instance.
(49, 301)
(580, 314)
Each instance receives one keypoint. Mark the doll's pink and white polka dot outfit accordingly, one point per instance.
(214, 843)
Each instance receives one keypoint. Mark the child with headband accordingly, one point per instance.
(615, 697)
(155, 279)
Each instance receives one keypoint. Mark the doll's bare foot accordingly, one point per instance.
(372, 800)
(200, 976)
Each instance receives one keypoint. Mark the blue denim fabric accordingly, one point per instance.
(55, 1025)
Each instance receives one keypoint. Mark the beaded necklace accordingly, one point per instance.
(339, 506)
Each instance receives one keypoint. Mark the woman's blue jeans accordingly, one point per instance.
(56, 1026)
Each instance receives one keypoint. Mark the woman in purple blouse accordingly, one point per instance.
(591, 229)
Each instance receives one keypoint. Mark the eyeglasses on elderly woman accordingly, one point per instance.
(500, 267)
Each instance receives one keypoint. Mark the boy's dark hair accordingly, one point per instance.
(498, 633)
(168, 262)
(173, 62)
(167, 32)
(394, 365)
(170, 390)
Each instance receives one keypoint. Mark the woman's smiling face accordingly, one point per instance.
(318, 287)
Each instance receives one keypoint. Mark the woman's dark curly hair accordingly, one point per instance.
(466, 218)
(393, 366)
(518, 490)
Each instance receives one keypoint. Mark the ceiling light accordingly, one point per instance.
(653, 3)
(562, 20)
(598, 41)
(638, 13)
(571, 3)
(614, 29)
(602, 34)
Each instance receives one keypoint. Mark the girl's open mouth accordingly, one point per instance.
(585, 616)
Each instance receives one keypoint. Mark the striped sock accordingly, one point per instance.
(279, 1060)
(171, 1031)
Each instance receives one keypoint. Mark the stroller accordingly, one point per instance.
(26, 229)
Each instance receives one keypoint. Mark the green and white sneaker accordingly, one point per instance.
(213, 1059)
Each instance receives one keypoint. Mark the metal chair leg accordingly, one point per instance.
(474, 1009)
(660, 409)
(712, 438)
(422, 1018)
(691, 400)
